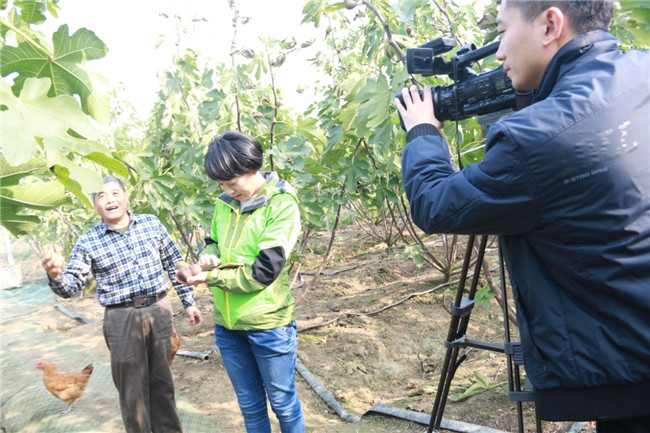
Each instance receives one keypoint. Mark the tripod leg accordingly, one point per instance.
(457, 329)
(446, 376)
(513, 355)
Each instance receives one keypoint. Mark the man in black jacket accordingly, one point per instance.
(565, 182)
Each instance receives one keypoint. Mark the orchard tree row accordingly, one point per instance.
(342, 153)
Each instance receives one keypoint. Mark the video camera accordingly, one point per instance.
(472, 94)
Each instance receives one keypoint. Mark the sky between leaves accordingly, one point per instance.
(142, 37)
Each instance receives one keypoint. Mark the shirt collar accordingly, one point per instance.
(260, 199)
(133, 219)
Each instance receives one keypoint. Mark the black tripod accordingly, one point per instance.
(457, 339)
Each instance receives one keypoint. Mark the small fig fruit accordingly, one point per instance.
(188, 271)
(195, 269)
(181, 265)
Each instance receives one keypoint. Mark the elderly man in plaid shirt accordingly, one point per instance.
(128, 254)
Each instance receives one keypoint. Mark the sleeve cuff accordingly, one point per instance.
(211, 278)
(420, 130)
(187, 301)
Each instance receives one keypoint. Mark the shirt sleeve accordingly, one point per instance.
(494, 196)
(72, 280)
(211, 248)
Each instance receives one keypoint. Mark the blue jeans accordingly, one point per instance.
(260, 364)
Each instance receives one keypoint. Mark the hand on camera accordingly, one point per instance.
(417, 109)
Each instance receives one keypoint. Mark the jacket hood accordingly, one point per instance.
(273, 185)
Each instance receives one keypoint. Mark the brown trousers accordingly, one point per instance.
(139, 340)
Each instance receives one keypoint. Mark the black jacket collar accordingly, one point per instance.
(569, 52)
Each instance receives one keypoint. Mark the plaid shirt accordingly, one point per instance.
(124, 264)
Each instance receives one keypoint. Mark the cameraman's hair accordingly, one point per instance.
(584, 15)
(233, 154)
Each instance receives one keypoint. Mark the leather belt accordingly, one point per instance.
(140, 301)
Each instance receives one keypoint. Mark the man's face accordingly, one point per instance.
(242, 187)
(111, 204)
(522, 48)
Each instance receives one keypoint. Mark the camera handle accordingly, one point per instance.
(461, 310)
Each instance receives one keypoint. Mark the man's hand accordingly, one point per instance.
(416, 109)
(52, 264)
(195, 316)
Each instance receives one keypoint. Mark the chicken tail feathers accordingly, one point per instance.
(88, 370)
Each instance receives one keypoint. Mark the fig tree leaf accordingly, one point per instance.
(106, 160)
(79, 180)
(32, 11)
(34, 117)
(10, 175)
(64, 67)
(18, 224)
(36, 195)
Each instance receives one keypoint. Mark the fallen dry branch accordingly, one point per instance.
(370, 313)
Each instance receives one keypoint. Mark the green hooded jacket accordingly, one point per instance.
(251, 286)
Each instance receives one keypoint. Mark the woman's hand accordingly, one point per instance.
(209, 261)
(201, 277)
(185, 271)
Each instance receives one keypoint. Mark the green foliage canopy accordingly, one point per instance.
(44, 127)
(343, 151)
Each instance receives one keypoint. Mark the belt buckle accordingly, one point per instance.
(141, 302)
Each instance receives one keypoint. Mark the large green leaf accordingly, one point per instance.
(78, 180)
(18, 224)
(37, 195)
(376, 98)
(64, 68)
(91, 150)
(10, 175)
(32, 11)
(16, 136)
(34, 117)
(108, 161)
(291, 154)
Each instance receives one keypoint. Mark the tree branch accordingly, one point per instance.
(328, 253)
(184, 236)
(384, 24)
(401, 301)
(233, 45)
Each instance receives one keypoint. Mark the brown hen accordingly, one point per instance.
(68, 386)
(176, 343)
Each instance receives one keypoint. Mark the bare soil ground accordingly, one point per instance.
(360, 354)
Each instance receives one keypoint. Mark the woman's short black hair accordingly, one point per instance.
(233, 154)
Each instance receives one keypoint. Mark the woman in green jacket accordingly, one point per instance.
(255, 226)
